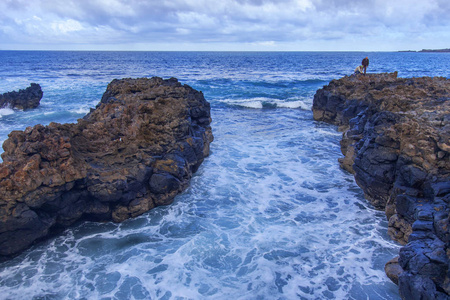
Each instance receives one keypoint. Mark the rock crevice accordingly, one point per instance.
(396, 142)
(136, 150)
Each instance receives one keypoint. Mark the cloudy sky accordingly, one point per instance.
(264, 25)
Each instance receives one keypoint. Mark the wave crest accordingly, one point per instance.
(6, 111)
(262, 102)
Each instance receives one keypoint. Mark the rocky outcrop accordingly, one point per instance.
(396, 142)
(136, 150)
(23, 99)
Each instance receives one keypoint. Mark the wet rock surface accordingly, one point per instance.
(23, 99)
(136, 150)
(396, 142)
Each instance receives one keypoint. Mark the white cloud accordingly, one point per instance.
(267, 44)
(305, 24)
(66, 26)
(116, 7)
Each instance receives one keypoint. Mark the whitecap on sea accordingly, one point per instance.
(6, 111)
(264, 102)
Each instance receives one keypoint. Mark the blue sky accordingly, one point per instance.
(229, 25)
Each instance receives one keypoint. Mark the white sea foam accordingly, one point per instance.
(81, 110)
(263, 102)
(249, 103)
(6, 111)
(267, 216)
(294, 104)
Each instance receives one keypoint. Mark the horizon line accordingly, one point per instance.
(92, 50)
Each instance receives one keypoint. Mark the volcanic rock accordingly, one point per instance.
(23, 99)
(396, 142)
(136, 150)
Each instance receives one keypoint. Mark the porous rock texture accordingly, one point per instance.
(23, 99)
(396, 142)
(136, 150)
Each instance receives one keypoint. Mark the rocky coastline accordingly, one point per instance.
(23, 99)
(136, 150)
(447, 50)
(429, 51)
(396, 142)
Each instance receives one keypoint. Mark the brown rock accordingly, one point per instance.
(393, 269)
(136, 150)
(399, 229)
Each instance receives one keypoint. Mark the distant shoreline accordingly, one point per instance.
(430, 50)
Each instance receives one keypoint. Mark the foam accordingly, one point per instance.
(263, 102)
(6, 111)
(294, 104)
(248, 103)
(81, 110)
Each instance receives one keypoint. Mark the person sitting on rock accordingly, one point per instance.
(359, 70)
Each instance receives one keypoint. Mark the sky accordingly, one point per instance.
(225, 25)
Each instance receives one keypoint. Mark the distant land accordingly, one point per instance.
(428, 50)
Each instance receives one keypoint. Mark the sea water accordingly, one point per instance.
(269, 214)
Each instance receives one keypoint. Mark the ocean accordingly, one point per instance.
(269, 214)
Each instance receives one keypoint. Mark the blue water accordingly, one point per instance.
(269, 215)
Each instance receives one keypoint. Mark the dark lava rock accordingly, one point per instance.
(136, 150)
(23, 99)
(396, 142)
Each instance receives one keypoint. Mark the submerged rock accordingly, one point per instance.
(23, 99)
(136, 150)
(396, 142)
